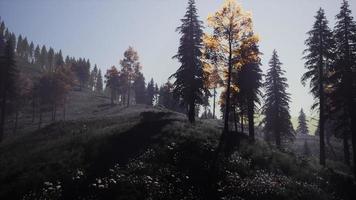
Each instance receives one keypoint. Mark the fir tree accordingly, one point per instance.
(59, 59)
(343, 79)
(43, 57)
(249, 80)
(150, 94)
(302, 124)
(37, 55)
(112, 81)
(93, 78)
(50, 59)
(318, 56)
(8, 73)
(277, 124)
(139, 87)
(99, 82)
(188, 83)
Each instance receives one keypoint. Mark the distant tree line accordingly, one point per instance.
(39, 77)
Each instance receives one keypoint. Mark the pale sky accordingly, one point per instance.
(102, 30)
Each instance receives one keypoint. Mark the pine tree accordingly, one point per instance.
(99, 82)
(58, 59)
(43, 57)
(31, 53)
(302, 124)
(25, 49)
(93, 78)
(318, 56)
(8, 73)
(343, 79)
(19, 47)
(249, 79)
(37, 55)
(188, 83)
(2, 28)
(50, 59)
(150, 94)
(139, 87)
(112, 81)
(277, 124)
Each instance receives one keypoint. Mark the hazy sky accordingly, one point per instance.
(101, 30)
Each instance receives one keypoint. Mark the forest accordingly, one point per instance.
(218, 128)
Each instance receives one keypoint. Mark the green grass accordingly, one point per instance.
(154, 143)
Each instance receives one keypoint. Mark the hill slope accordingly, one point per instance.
(143, 152)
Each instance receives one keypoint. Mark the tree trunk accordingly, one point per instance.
(16, 120)
(40, 120)
(214, 165)
(353, 135)
(128, 93)
(251, 124)
(235, 119)
(33, 109)
(191, 112)
(346, 150)
(64, 108)
(278, 139)
(54, 112)
(242, 120)
(2, 120)
(321, 116)
(214, 103)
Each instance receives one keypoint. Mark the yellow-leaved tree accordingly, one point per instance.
(231, 25)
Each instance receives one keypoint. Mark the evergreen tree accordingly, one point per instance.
(302, 124)
(19, 47)
(43, 57)
(343, 79)
(139, 87)
(277, 124)
(31, 52)
(150, 94)
(318, 56)
(37, 55)
(93, 78)
(58, 59)
(112, 81)
(25, 49)
(169, 99)
(99, 82)
(189, 77)
(156, 93)
(249, 80)
(8, 73)
(50, 59)
(2, 29)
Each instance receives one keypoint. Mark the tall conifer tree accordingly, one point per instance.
(318, 56)
(277, 124)
(8, 74)
(343, 79)
(189, 77)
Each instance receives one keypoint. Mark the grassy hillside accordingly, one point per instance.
(141, 152)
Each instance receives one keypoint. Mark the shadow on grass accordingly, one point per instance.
(120, 148)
